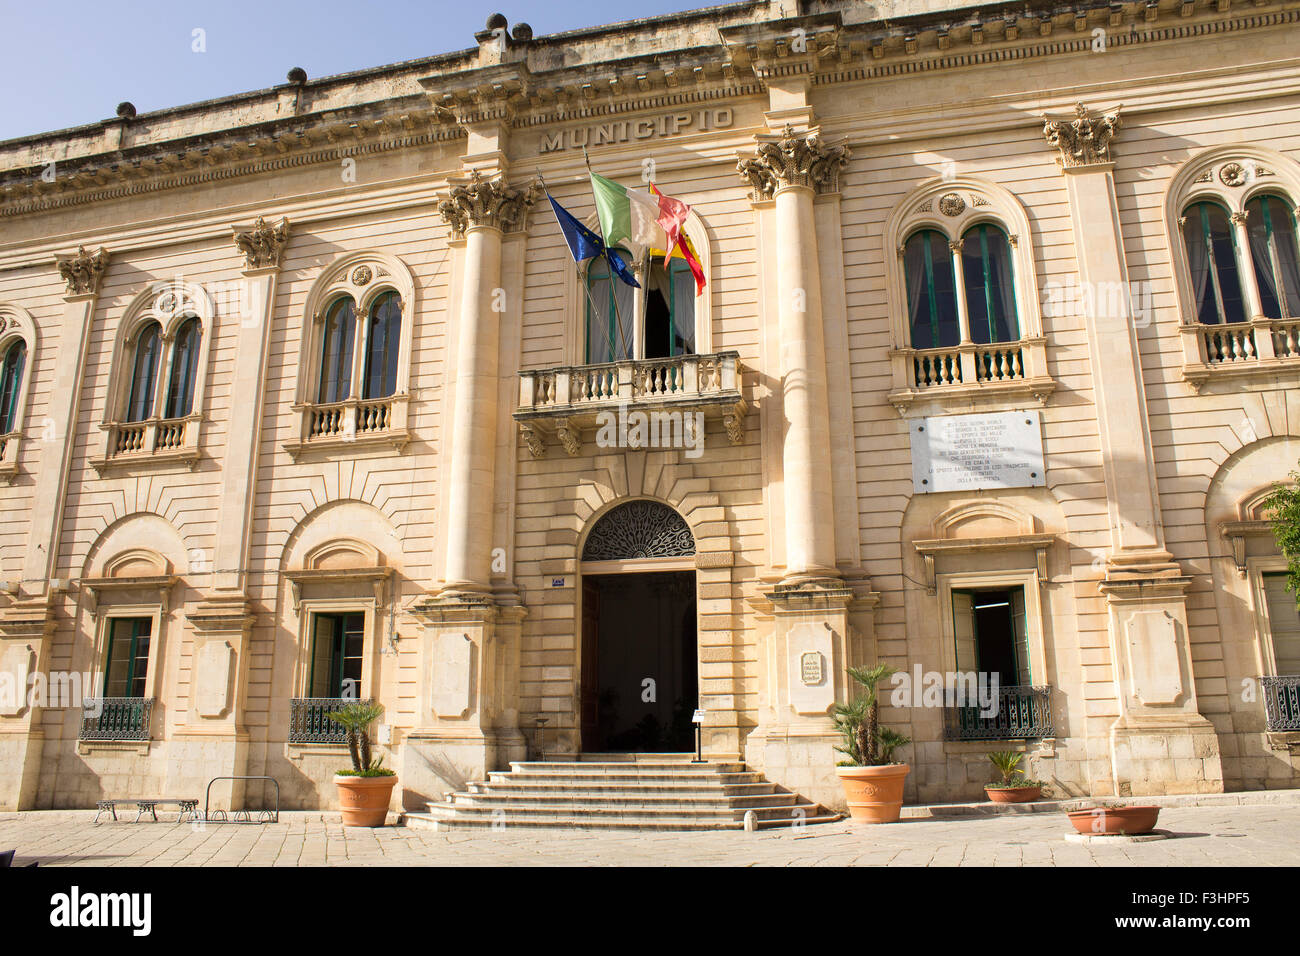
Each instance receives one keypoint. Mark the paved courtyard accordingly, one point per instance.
(1263, 835)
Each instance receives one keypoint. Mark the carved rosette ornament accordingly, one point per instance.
(83, 271)
(263, 245)
(1084, 140)
(487, 202)
(793, 159)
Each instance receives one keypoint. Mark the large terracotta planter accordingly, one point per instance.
(364, 800)
(1113, 821)
(1013, 794)
(874, 794)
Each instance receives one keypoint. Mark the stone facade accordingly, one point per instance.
(447, 516)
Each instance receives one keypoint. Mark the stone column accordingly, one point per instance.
(790, 169)
(809, 645)
(1160, 743)
(468, 721)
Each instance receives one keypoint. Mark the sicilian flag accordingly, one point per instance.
(585, 244)
(685, 250)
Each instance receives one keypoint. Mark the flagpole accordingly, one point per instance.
(601, 232)
(585, 286)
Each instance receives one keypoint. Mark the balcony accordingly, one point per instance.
(1023, 713)
(354, 422)
(560, 402)
(1259, 347)
(163, 440)
(939, 380)
(1281, 703)
(116, 718)
(309, 723)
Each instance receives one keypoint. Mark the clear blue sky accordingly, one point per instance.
(71, 62)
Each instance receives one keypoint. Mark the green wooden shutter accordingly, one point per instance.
(1020, 632)
(963, 626)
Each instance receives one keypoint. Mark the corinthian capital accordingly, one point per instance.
(1084, 140)
(83, 271)
(263, 245)
(487, 202)
(793, 159)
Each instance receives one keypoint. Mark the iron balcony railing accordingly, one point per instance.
(116, 718)
(1023, 713)
(1281, 702)
(309, 722)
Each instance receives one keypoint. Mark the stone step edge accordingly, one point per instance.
(560, 822)
(590, 811)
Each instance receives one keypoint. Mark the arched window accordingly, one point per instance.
(144, 373)
(1271, 226)
(11, 380)
(931, 290)
(185, 363)
(610, 312)
(1212, 264)
(383, 341)
(990, 288)
(336, 352)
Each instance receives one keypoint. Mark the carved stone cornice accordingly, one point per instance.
(793, 159)
(487, 202)
(1084, 140)
(83, 271)
(262, 245)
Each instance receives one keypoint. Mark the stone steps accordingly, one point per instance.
(643, 791)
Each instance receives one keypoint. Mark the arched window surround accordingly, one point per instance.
(996, 375)
(1230, 176)
(364, 277)
(157, 438)
(16, 325)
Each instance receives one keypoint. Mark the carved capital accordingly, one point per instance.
(487, 202)
(1084, 140)
(263, 245)
(83, 271)
(793, 159)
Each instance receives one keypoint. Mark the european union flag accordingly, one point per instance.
(585, 244)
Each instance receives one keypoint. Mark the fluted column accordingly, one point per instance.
(480, 210)
(790, 169)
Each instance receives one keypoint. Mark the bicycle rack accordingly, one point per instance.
(241, 816)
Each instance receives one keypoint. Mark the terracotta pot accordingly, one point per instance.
(1013, 794)
(364, 800)
(874, 794)
(1115, 820)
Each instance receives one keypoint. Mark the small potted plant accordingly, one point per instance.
(1114, 819)
(1014, 787)
(872, 780)
(366, 789)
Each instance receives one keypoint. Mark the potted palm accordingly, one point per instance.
(872, 779)
(366, 789)
(1010, 789)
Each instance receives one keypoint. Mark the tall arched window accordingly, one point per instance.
(185, 363)
(336, 352)
(990, 287)
(144, 373)
(1271, 226)
(610, 313)
(1212, 264)
(11, 380)
(383, 343)
(931, 290)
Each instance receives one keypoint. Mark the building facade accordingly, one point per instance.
(303, 398)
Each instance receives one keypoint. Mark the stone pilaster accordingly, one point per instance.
(790, 169)
(82, 273)
(26, 632)
(1158, 723)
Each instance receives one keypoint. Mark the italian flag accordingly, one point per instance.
(646, 220)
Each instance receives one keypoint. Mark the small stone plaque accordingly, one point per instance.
(810, 668)
(971, 452)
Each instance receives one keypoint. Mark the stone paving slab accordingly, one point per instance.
(1255, 835)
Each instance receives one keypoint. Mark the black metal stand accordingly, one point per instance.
(699, 745)
(539, 742)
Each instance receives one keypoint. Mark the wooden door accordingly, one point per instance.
(588, 684)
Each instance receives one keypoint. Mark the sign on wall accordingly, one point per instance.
(970, 452)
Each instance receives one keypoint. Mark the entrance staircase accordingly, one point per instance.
(623, 792)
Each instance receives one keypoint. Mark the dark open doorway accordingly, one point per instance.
(639, 666)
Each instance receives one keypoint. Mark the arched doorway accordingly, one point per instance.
(639, 683)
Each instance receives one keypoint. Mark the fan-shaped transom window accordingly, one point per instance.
(11, 379)
(639, 529)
